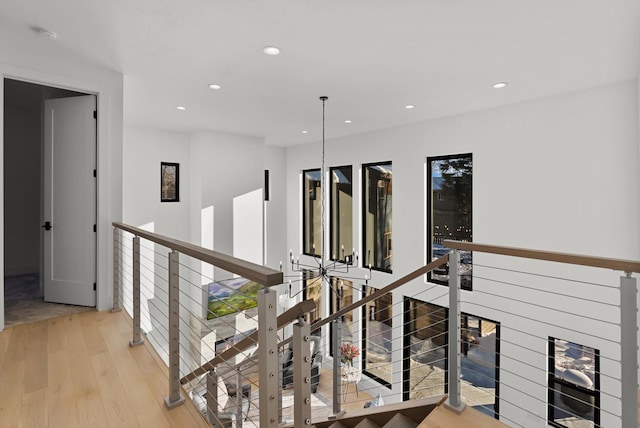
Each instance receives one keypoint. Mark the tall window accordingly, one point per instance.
(376, 343)
(313, 291)
(377, 224)
(574, 385)
(341, 296)
(341, 224)
(425, 355)
(425, 349)
(312, 212)
(449, 206)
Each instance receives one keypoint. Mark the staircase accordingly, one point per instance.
(422, 413)
(407, 414)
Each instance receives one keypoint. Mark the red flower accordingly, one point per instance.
(348, 352)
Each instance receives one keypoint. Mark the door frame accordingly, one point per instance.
(108, 89)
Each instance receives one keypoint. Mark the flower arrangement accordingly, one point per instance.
(348, 352)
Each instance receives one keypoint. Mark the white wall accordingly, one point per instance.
(19, 63)
(224, 166)
(559, 174)
(144, 150)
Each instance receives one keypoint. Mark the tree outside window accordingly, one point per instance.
(450, 212)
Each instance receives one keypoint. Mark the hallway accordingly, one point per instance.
(79, 371)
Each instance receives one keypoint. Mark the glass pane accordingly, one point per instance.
(479, 363)
(312, 212)
(575, 388)
(313, 290)
(377, 221)
(341, 214)
(341, 296)
(450, 199)
(377, 316)
(425, 332)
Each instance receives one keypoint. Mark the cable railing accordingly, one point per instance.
(528, 345)
(568, 348)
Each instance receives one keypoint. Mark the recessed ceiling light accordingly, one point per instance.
(214, 86)
(271, 50)
(500, 85)
(43, 32)
(347, 121)
(409, 106)
(305, 132)
(181, 108)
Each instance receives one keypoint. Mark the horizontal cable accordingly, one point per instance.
(536, 320)
(547, 276)
(545, 307)
(547, 291)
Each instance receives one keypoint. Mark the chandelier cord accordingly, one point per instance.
(322, 194)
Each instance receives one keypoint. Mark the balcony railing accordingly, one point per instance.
(529, 345)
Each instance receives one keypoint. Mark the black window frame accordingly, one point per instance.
(465, 284)
(409, 325)
(365, 319)
(348, 258)
(305, 244)
(553, 380)
(310, 280)
(365, 262)
(335, 305)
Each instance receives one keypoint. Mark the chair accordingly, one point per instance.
(316, 363)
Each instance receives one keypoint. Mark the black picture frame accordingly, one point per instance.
(169, 182)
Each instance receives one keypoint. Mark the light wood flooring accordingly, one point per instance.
(442, 417)
(79, 371)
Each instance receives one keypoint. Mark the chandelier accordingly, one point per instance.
(324, 268)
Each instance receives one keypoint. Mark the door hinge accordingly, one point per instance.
(95, 114)
(95, 172)
(95, 228)
(94, 286)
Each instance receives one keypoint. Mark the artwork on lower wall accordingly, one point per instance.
(231, 296)
(169, 182)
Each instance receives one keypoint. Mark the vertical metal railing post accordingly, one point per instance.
(335, 347)
(212, 398)
(174, 399)
(137, 339)
(454, 402)
(301, 374)
(268, 358)
(116, 307)
(239, 399)
(629, 349)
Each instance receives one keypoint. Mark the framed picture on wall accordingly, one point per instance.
(169, 182)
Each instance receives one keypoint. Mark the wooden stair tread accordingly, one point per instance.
(367, 423)
(400, 421)
(442, 417)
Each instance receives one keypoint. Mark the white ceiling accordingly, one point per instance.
(371, 57)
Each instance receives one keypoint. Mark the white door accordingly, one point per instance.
(70, 200)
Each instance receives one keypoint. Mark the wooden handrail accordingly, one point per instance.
(575, 259)
(395, 284)
(254, 272)
(289, 316)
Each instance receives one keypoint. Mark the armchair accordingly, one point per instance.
(316, 363)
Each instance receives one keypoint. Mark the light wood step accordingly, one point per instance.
(400, 421)
(367, 423)
(337, 425)
(442, 417)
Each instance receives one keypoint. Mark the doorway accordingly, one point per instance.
(24, 195)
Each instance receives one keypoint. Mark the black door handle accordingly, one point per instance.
(47, 225)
